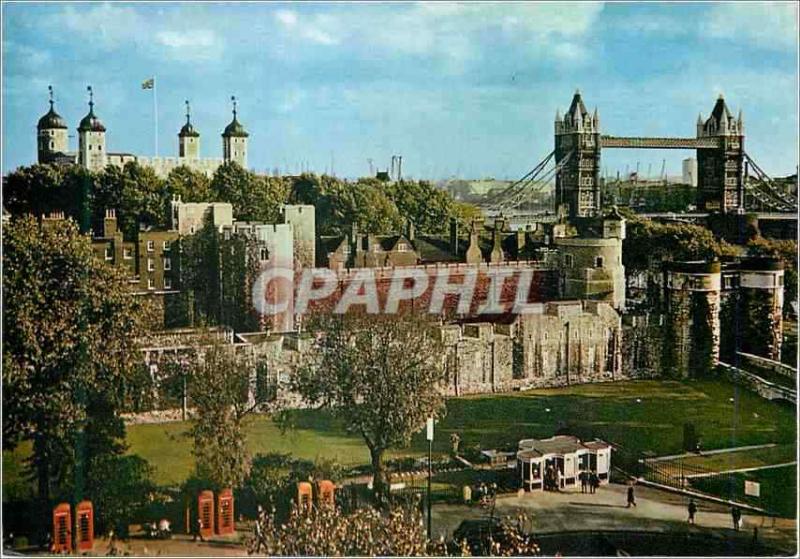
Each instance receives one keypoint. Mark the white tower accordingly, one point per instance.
(51, 134)
(188, 139)
(234, 141)
(91, 139)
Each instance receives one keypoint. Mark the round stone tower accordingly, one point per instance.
(692, 329)
(760, 308)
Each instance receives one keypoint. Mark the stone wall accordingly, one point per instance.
(752, 382)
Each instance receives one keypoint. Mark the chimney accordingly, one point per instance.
(110, 224)
(454, 236)
(410, 230)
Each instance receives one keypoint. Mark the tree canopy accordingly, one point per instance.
(381, 374)
(70, 326)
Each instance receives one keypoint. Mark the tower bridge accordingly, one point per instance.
(729, 181)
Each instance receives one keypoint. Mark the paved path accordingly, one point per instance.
(656, 511)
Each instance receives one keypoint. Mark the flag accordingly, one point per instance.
(149, 83)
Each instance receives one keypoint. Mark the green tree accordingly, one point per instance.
(137, 194)
(70, 327)
(190, 185)
(381, 374)
(254, 197)
(648, 241)
(218, 387)
(41, 189)
(120, 489)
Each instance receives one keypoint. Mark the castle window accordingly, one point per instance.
(151, 265)
(598, 262)
(402, 247)
(264, 255)
(167, 283)
(568, 260)
(151, 246)
(167, 264)
(780, 281)
(151, 283)
(165, 246)
(127, 253)
(109, 253)
(52, 145)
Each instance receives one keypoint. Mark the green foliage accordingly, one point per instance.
(218, 386)
(220, 273)
(273, 477)
(399, 531)
(254, 197)
(190, 185)
(377, 207)
(428, 207)
(362, 370)
(137, 194)
(120, 490)
(41, 189)
(69, 326)
(649, 241)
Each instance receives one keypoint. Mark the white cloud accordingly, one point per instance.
(197, 38)
(767, 24)
(450, 34)
(312, 29)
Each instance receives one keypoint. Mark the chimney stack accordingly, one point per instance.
(454, 236)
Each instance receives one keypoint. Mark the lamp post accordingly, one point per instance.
(430, 470)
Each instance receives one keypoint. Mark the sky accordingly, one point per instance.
(466, 90)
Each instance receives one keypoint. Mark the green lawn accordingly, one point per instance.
(781, 454)
(778, 488)
(609, 410)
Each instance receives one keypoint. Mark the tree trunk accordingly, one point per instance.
(380, 482)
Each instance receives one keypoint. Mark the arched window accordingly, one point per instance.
(598, 262)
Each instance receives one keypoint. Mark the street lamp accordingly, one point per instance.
(430, 470)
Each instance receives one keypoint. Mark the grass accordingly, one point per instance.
(610, 411)
(778, 488)
(780, 454)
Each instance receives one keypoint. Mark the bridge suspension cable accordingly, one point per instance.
(765, 191)
(531, 183)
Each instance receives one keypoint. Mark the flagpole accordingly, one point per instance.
(155, 114)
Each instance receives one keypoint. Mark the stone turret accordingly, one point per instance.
(693, 320)
(234, 140)
(188, 139)
(52, 134)
(92, 139)
(761, 291)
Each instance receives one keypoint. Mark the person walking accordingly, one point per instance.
(631, 497)
(582, 477)
(558, 479)
(592, 480)
(736, 514)
(692, 511)
(198, 530)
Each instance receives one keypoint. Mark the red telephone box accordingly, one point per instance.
(304, 496)
(85, 515)
(62, 529)
(225, 518)
(325, 494)
(205, 512)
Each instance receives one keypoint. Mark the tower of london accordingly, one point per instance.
(53, 144)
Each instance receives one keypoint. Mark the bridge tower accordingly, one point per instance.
(578, 182)
(720, 176)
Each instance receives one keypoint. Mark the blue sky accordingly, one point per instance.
(466, 89)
